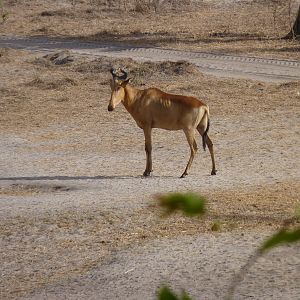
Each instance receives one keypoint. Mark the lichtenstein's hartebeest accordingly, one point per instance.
(152, 108)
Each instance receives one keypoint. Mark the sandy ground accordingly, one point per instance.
(209, 261)
(77, 219)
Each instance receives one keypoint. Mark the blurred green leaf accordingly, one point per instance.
(185, 296)
(191, 204)
(281, 237)
(166, 294)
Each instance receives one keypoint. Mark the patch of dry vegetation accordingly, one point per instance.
(138, 70)
(248, 27)
(35, 92)
(64, 244)
(50, 84)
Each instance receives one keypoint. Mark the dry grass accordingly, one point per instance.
(138, 71)
(50, 84)
(37, 94)
(246, 27)
(74, 242)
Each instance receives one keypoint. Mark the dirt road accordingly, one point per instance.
(273, 70)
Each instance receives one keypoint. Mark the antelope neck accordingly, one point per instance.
(130, 96)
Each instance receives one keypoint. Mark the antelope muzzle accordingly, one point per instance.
(110, 108)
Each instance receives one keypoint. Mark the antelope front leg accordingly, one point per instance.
(190, 136)
(148, 149)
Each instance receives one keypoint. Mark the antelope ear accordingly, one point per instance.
(125, 82)
(113, 73)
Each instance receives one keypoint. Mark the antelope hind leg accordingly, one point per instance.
(210, 148)
(211, 151)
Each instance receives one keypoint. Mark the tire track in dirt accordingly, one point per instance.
(223, 65)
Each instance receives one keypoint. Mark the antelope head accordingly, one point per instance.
(117, 85)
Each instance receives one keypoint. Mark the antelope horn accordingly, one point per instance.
(113, 73)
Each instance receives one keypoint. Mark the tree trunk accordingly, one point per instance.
(295, 31)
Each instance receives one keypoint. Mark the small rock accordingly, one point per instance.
(60, 58)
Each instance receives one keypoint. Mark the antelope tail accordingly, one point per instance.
(204, 136)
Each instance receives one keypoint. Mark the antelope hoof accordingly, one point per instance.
(213, 172)
(183, 175)
(147, 174)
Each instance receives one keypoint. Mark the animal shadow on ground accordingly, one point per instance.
(60, 177)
